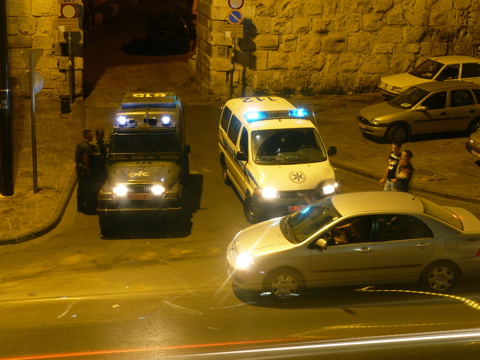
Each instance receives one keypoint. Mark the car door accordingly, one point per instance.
(432, 114)
(403, 244)
(341, 264)
(462, 109)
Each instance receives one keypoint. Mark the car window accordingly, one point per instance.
(427, 69)
(401, 227)
(470, 70)
(351, 231)
(409, 98)
(244, 141)
(225, 119)
(436, 101)
(234, 129)
(461, 98)
(450, 72)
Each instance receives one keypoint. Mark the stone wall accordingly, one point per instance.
(328, 46)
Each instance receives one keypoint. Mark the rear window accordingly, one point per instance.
(441, 213)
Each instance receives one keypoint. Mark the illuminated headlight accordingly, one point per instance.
(121, 120)
(244, 261)
(397, 89)
(158, 190)
(375, 122)
(330, 189)
(268, 193)
(120, 190)
(166, 120)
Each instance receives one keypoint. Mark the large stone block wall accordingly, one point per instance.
(328, 46)
(33, 24)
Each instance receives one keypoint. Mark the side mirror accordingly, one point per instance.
(322, 244)
(187, 149)
(332, 150)
(421, 108)
(241, 156)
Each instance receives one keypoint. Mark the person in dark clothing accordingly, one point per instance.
(86, 192)
(393, 159)
(99, 160)
(404, 172)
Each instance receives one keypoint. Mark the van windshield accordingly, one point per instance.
(287, 146)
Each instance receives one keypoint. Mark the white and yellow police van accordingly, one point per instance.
(272, 153)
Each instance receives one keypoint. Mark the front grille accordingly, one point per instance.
(139, 189)
(297, 194)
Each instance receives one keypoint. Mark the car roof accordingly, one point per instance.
(455, 59)
(371, 202)
(260, 103)
(438, 85)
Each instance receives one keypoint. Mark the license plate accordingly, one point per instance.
(362, 126)
(296, 207)
(474, 153)
(139, 196)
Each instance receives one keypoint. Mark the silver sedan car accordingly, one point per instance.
(357, 239)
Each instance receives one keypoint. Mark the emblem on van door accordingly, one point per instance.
(297, 177)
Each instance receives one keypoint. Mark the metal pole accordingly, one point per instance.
(234, 42)
(6, 147)
(71, 68)
(33, 122)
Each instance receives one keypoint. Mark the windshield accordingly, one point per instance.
(287, 146)
(427, 69)
(409, 98)
(303, 224)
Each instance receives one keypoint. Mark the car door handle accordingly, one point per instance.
(365, 250)
(443, 113)
(423, 245)
(473, 111)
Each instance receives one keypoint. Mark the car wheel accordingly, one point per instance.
(107, 225)
(474, 126)
(440, 277)
(397, 133)
(250, 213)
(284, 283)
(226, 178)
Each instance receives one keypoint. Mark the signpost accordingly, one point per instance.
(234, 29)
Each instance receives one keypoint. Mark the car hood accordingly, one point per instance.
(404, 80)
(291, 177)
(470, 222)
(262, 238)
(380, 110)
(146, 172)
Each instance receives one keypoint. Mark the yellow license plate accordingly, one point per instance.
(139, 196)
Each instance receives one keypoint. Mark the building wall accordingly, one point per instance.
(328, 46)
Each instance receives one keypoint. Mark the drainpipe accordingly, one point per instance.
(6, 157)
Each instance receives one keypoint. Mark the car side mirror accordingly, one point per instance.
(421, 108)
(321, 244)
(332, 150)
(241, 156)
(187, 149)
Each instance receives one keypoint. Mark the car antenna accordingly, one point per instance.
(416, 195)
(314, 117)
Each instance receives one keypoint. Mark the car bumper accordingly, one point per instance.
(251, 280)
(374, 131)
(475, 151)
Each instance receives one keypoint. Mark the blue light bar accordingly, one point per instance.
(256, 115)
(298, 112)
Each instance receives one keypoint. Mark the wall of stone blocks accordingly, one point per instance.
(328, 46)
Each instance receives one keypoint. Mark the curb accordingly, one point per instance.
(54, 220)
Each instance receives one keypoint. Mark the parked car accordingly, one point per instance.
(423, 109)
(166, 31)
(473, 144)
(405, 239)
(438, 68)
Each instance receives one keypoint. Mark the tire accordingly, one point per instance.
(284, 283)
(397, 133)
(440, 277)
(250, 214)
(226, 178)
(474, 126)
(107, 226)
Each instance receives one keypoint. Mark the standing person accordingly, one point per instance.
(99, 162)
(404, 172)
(86, 196)
(393, 159)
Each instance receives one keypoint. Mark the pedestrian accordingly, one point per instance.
(404, 172)
(99, 162)
(387, 180)
(86, 192)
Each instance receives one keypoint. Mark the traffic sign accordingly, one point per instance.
(37, 79)
(68, 11)
(235, 17)
(37, 54)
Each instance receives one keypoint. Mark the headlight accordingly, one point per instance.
(375, 122)
(120, 190)
(121, 120)
(330, 189)
(268, 193)
(244, 261)
(158, 190)
(397, 89)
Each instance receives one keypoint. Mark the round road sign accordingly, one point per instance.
(235, 4)
(235, 17)
(69, 11)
